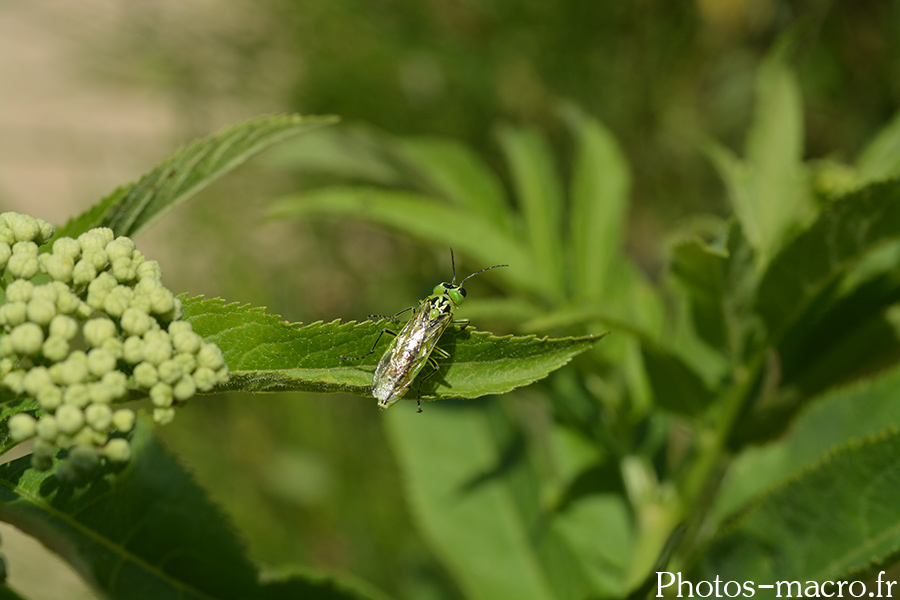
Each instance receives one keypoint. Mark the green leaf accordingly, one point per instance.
(836, 520)
(846, 231)
(600, 186)
(775, 153)
(7, 593)
(133, 208)
(880, 159)
(264, 353)
(347, 153)
(676, 386)
(540, 196)
(450, 170)
(769, 191)
(422, 217)
(145, 532)
(719, 279)
(475, 494)
(831, 420)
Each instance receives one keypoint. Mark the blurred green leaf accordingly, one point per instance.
(844, 233)
(540, 196)
(601, 183)
(832, 419)
(719, 278)
(421, 217)
(147, 531)
(349, 153)
(450, 170)
(675, 385)
(880, 159)
(264, 353)
(7, 593)
(836, 520)
(769, 189)
(134, 207)
(473, 491)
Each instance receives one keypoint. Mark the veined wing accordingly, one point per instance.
(408, 354)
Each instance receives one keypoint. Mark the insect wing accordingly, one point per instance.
(407, 354)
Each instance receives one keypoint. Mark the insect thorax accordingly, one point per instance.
(439, 305)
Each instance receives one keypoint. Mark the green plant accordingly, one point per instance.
(740, 421)
(86, 323)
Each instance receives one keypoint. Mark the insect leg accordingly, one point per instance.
(383, 331)
(463, 323)
(434, 369)
(390, 317)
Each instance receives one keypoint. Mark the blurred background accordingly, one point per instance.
(94, 93)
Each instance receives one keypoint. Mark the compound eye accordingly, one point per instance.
(463, 292)
(447, 285)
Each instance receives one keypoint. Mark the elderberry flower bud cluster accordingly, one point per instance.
(97, 328)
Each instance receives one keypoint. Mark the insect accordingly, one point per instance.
(413, 346)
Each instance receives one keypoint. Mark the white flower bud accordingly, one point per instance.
(123, 420)
(40, 311)
(99, 416)
(149, 270)
(100, 362)
(145, 375)
(210, 356)
(13, 381)
(121, 247)
(19, 290)
(5, 253)
(204, 378)
(187, 361)
(74, 368)
(184, 389)
(162, 301)
(59, 268)
(13, 313)
(161, 395)
(64, 327)
(117, 450)
(22, 266)
(67, 247)
(123, 269)
(133, 350)
(23, 227)
(136, 322)
(69, 419)
(55, 348)
(156, 350)
(92, 240)
(35, 379)
(49, 397)
(77, 395)
(163, 416)
(101, 393)
(47, 429)
(118, 301)
(185, 341)
(83, 273)
(97, 331)
(96, 257)
(27, 338)
(170, 371)
(68, 303)
(22, 426)
(117, 383)
(114, 346)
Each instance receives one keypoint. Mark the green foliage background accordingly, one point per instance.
(601, 149)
